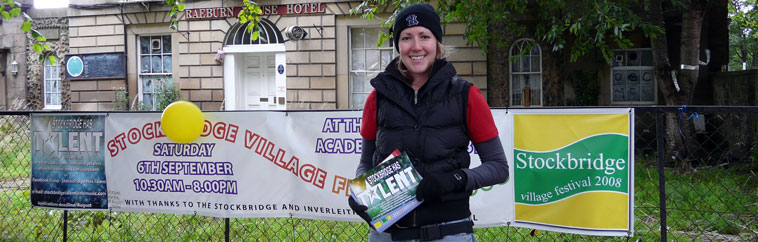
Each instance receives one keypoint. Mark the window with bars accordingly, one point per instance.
(633, 78)
(154, 67)
(52, 87)
(526, 73)
(366, 61)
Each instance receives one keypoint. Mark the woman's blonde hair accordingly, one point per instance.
(442, 53)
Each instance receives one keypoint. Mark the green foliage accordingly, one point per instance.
(166, 93)
(580, 26)
(176, 8)
(479, 15)
(11, 9)
(586, 88)
(250, 14)
(743, 34)
(745, 15)
(15, 153)
(754, 156)
(704, 199)
(15, 147)
(369, 8)
(121, 100)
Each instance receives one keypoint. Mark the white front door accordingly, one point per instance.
(259, 82)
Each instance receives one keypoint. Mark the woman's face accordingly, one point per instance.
(418, 49)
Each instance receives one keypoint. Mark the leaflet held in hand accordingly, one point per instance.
(388, 190)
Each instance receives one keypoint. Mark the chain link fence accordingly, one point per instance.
(711, 193)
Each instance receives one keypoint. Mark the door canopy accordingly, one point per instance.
(269, 34)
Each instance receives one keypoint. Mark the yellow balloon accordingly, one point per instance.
(182, 122)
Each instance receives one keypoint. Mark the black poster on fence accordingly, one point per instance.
(68, 161)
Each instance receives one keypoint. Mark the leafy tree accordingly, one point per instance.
(677, 83)
(11, 9)
(176, 8)
(575, 29)
(250, 12)
(743, 34)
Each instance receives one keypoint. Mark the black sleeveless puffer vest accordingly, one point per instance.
(430, 125)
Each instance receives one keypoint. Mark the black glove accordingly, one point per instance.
(435, 185)
(360, 210)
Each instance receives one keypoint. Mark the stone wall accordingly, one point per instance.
(95, 31)
(311, 62)
(736, 88)
(12, 48)
(56, 30)
(469, 60)
(201, 77)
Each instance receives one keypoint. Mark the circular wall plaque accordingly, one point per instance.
(75, 66)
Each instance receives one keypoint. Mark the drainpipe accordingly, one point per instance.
(126, 55)
(7, 106)
(5, 79)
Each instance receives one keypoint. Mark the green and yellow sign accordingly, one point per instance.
(573, 172)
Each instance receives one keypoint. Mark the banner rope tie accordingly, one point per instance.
(682, 111)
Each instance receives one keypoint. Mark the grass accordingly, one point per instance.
(15, 148)
(704, 204)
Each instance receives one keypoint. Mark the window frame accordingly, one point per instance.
(141, 76)
(615, 66)
(46, 89)
(521, 43)
(367, 45)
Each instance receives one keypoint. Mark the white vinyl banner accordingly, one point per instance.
(256, 164)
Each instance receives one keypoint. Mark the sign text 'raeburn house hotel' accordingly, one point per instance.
(232, 12)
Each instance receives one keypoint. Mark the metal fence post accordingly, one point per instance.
(226, 229)
(65, 225)
(661, 174)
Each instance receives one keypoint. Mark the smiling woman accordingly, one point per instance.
(50, 3)
(420, 105)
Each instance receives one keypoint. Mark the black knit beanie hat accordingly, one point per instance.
(419, 14)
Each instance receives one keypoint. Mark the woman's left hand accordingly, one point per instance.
(435, 185)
